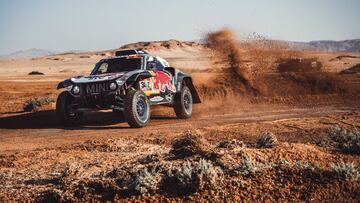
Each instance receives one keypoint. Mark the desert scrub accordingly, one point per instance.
(2, 177)
(146, 181)
(33, 103)
(346, 140)
(207, 173)
(347, 171)
(304, 165)
(191, 178)
(249, 167)
(155, 157)
(188, 144)
(267, 140)
(184, 177)
(231, 144)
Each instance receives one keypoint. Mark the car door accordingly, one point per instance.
(164, 81)
(160, 87)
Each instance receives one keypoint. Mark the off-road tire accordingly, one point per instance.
(134, 103)
(62, 111)
(183, 102)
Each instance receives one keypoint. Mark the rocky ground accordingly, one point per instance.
(255, 161)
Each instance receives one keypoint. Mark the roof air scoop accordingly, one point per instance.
(129, 52)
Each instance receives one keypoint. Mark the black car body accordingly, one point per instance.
(115, 77)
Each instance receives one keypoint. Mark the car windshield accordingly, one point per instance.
(117, 65)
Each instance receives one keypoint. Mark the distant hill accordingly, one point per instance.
(29, 53)
(153, 45)
(322, 45)
(329, 45)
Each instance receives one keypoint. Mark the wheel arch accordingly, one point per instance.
(136, 77)
(187, 80)
(64, 84)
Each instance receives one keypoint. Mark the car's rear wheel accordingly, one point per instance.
(136, 109)
(66, 115)
(183, 102)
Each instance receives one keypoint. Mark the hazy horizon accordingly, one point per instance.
(98, 25)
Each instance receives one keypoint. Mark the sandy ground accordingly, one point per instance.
(34, 148)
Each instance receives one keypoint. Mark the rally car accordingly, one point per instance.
(129, 83)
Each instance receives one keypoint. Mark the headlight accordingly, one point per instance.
(113, 86)
(76, 89)
(120, 81)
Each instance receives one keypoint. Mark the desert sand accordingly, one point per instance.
(244, 96)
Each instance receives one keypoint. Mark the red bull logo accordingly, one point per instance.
(163, 81)
(160, 82)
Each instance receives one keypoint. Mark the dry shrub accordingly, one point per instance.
(33, 103)
(346, 140)
(231, 144)
(250, 167)
(304, 165)
(191, 178)
(150, 158)
(181, 180)
(347, 171)
(188, 144)
(267, 140)
(146, 181)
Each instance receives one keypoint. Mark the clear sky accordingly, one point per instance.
(62, 25)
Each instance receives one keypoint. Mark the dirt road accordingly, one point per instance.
(28, 131)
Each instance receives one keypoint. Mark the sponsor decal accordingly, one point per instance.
(96, 78)
(156, 99)
(97, 88)
(168, 97)
(163, 81)
(158, 84)
(145, 85)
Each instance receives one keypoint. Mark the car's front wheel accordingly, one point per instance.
(183, 102)
(136, 109)
(66, 115)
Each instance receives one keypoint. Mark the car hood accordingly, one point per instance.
(97, 78)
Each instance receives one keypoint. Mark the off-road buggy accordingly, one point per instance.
(129, 83)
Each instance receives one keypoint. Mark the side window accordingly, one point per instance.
(103, 68)
(159, 66)
(150, 63)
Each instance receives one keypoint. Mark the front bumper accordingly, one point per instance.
(108, 100)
